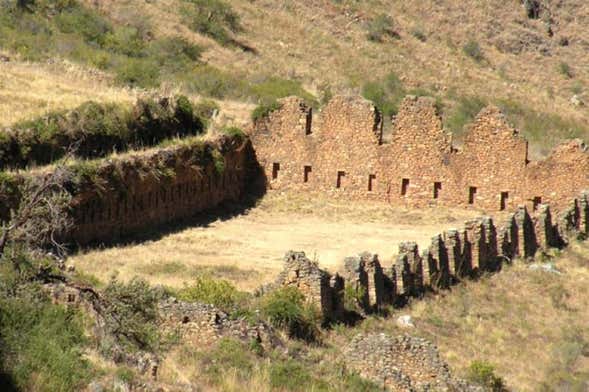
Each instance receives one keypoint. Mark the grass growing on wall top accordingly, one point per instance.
(96, 130)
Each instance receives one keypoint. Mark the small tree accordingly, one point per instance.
(41, 218)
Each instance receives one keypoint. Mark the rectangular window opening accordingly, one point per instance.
(275, 170)
(309, 121)
(340, 176)
(472, 191)
(371, 179)
(537, 202)
(504, 198)
(437, 189)
(404, 186)
(308, 170)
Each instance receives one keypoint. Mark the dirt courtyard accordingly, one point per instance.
(248, 249)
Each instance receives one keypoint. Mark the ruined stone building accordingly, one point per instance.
(341, 152)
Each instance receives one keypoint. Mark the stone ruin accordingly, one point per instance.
(402, 363)
(479, 247)
(341, 153)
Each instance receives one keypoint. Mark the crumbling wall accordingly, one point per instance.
(479, 247)
(340, 152)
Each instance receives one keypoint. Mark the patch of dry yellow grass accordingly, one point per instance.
(32, 89)
(248, 249)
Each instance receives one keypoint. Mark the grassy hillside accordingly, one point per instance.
(465, 53)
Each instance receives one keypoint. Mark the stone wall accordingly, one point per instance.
(341, 152)
(134, 192)
(477, 248)
(164, 186)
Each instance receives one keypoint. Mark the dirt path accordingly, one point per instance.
(248, 249)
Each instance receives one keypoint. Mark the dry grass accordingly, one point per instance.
(248, 249)
(32, 89)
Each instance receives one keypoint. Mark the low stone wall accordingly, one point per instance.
(402, 363)
(340, 152)
(479, 247)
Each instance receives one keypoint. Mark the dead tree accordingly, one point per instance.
(42, 214)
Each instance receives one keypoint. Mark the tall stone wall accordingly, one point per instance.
(340, 152)
(479, 247)
(135, 192)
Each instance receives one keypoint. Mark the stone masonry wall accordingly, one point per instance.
(479, 247)
(128, 194)
(159, 188)
(340, 152)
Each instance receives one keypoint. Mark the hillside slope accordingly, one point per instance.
(465, 53)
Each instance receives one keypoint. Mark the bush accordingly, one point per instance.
(285, 308)
(213, 18)
(138, 73)
(483, 373)
(206, 109)
(234, 132)
(41, 345)
(215, 292)
(289, 375)
(380, 28)
(565, 70)
(463, 113)
(228, 355)
(212, 82)
(386, 94)
(263, 110)
(271, 89)
(419, 34)
(473, 50)
(133, 314)
(85, 23)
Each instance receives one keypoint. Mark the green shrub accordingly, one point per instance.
(126, 41)
(229, 355)
(483, 373)
(565, 70)
(214, 18)
(133, 312)
(380, 28)
(473, 50)
(263, 110)
(82, 21)
(386, 94)
(212, 82)
(138, 73)
(206, 108)
(234, 132)
(354, 297)
(285, 308)
(419, 34)
(289, 375)
(463, 113)
(211, 291)
(41, 345)
(274, 88)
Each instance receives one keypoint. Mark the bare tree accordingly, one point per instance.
(42, 217)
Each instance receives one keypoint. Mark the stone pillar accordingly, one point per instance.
(584, 213)
(488, 253)
(472, 244)
(355, 276)
(544, 228)
(455, 254)
(314, 283)
(410, 269)
(437, 261)
(364, 272)
(526, 236)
